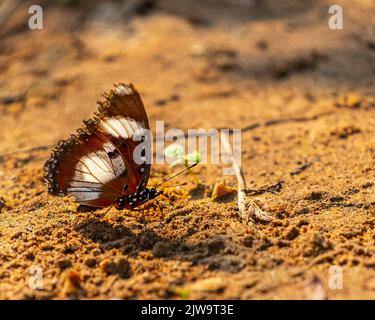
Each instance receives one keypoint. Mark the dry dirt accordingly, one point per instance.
(197, 66)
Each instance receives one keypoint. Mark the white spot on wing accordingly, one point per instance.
(84, 194)
(115, 125)
(98, 171)
(94, 170)
(109, 147)
(120, 126)
(107, 128)
(136, 126)
(119, 166)
(123, 90)
(126, 126)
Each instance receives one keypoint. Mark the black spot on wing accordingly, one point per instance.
(113, 154)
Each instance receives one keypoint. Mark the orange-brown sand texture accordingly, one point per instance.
(206, 64)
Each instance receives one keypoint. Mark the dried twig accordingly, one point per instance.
(248, 208)
(273, 122)
(300, 169)
(272, 189)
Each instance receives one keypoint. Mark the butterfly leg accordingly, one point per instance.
(102, 215)
(158, 205)
(143, 218)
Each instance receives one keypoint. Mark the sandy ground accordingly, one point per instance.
(196, 66)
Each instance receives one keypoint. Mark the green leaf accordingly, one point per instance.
(177, 152)
(194, 157)
(174, 151)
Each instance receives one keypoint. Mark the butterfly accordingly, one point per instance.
(96, 165)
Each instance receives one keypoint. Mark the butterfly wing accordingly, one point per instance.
(96, 165)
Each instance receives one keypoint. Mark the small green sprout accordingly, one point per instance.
(177, 152)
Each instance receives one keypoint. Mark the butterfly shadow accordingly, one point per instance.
(136, 237)
(131, 238)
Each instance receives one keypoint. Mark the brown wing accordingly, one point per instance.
(96, 165)
(124, 100)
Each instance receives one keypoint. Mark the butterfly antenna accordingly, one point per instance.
(177, 174)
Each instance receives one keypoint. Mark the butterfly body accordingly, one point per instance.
(136, 199)
(98, 165)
